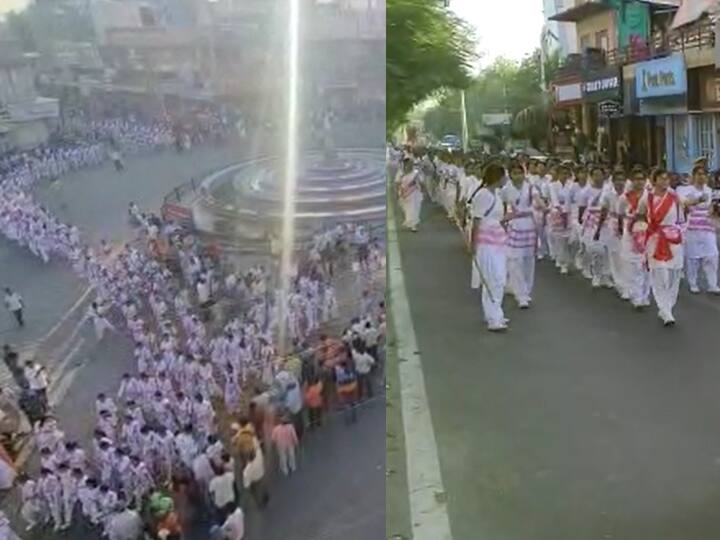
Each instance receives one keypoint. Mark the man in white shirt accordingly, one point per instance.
(363, 365)
(254, 478)
(222, 492)
(37, 379)
(125, 524)
(14, 303)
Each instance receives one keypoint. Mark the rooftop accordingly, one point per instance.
(582, 10)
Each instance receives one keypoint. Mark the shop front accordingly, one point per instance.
(707, 122)
(661, 91)
(602, 107)
(567, 117)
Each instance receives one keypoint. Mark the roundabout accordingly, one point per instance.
(242, 203)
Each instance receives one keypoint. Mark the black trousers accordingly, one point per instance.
(18, 313)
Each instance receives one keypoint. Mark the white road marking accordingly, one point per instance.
(428, 509)
(68, 313)
(62, 373)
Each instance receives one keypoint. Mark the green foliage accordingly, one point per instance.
(428, 48)
(504, 86)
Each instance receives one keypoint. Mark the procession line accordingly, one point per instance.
(426, 492)
(56, 392)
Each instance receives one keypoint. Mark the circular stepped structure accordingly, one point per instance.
(240, 205)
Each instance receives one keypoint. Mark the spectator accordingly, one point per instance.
(37, 381)
(294, 404)
(222, 492)
(314, 401)
(285, 439)
(363, 366)
(346, 381)
(254, 479)
(14, 303)
(10, 357)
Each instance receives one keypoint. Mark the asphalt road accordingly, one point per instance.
(586, 420)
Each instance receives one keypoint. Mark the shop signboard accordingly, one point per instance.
(568, 92)
(633, 20)
(661, 77)
(601, 86)
(610, 108)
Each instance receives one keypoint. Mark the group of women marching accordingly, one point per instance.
(637, 232)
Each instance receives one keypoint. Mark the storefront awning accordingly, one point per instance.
(582, 11)
(691, 10)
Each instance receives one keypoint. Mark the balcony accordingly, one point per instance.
(696, 42)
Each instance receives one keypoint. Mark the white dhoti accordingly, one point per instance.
(412, 205)
(490, 274)
(521, 248)
(665, 269)
(701, 252)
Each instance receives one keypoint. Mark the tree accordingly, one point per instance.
(505, 86)
(428, 48)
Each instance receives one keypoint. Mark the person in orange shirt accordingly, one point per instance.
(314, 401)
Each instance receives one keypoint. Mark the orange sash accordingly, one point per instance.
(667, 235)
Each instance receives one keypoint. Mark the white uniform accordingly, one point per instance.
(411, 197)
(591, 199)
(490, 264)
(664, 249)
(522, 240)
(559, 223)
(632, 251)
(701, 249)
(610, 236)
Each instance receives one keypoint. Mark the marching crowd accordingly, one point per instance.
(637, 231)
(161, 432)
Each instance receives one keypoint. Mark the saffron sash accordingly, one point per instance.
(667, 235)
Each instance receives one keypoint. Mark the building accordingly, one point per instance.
(26, 118)
(671, 103)
(558, 36)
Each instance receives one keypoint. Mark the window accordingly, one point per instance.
(602, 41)
(585, 42)
(704, 136)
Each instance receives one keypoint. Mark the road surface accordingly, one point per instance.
(586, 420)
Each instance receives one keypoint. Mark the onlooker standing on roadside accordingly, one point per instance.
(254, 478)
(285, 440)
(314, 401)
(14, 303)
(222, 492)
(363, 366)
(37, 381)
(294, 404)
(10, 357)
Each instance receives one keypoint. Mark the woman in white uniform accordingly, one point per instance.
(521, 197)
(559, 232)
(632, 244)
(700, 238)
(611, 231)
(410, 194)
(490, 259)
(589, 210)
(660, 208)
